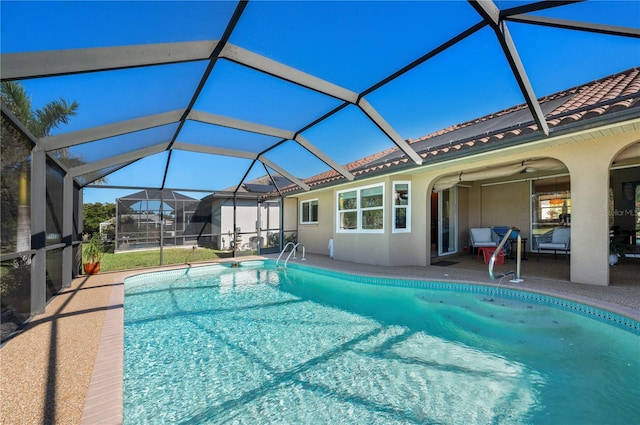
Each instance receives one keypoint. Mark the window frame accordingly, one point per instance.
(395, 208)
(309, 202)
(359, 210)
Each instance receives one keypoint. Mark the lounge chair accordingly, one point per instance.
(560, 241)
(482, 237)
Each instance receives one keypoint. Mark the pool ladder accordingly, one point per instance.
(516, 276)
(293, 252)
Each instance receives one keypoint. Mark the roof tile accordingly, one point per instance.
(584, 102)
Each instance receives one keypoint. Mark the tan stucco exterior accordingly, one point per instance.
(587, 155)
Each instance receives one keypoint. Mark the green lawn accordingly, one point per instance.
(139, 259)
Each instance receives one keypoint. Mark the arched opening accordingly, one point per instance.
(624, 205)
(531, 195)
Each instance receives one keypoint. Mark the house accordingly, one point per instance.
(147, 216)
(496, 170)
(237, 220)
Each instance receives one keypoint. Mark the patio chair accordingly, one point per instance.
(482, 237)
(560, 241)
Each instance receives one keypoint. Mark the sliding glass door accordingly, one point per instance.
(447, 222)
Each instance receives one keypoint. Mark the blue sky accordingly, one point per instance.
(351, 44)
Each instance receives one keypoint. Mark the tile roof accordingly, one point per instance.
(583, 103)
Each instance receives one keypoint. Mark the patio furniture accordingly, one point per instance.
(560, 241)
(513, 246)
(488, 252)
(482, 237)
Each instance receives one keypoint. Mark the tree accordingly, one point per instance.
(39, 122)
(96, 213)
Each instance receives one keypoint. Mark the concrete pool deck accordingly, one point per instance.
(74, 348)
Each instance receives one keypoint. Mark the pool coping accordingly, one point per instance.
(103, 404)
(105, 397)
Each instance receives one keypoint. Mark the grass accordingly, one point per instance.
(151, 258)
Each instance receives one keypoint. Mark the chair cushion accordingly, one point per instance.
(550, 245)
(484, 244)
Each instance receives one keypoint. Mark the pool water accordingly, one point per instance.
(255, 345)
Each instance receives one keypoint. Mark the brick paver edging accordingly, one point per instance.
(103, 404)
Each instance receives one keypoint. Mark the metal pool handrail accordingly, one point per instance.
(293, 252)
(283, 250)
(495, 255)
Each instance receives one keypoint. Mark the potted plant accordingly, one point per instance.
(93, 254)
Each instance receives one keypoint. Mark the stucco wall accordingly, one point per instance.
(507, 204)
(464, 215)
(290, 213)
(270, 215)
(246, 216)
(388, 248)
(315, 237)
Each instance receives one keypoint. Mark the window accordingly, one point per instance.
(553, 208)
(348, 210)
(361, 210)
(309, 211)
(549, 210)
(401, 207)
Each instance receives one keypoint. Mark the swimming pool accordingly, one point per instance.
(253, 344)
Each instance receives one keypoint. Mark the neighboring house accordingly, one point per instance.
(497, 170)
(214, 223)
(107, 229)
(241, 224)
(146, 217)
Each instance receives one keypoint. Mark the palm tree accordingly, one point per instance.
(39, 122)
